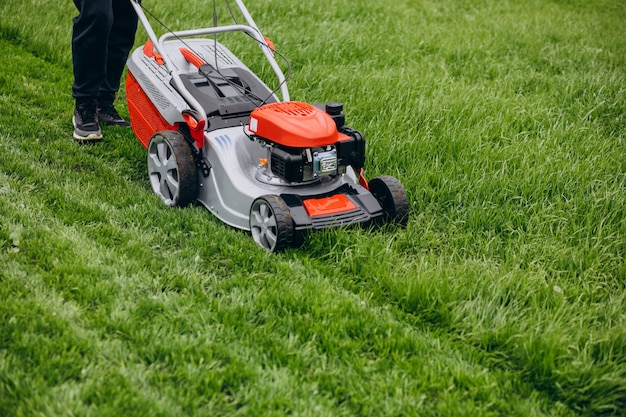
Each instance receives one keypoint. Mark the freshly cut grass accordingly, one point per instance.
(505, 294)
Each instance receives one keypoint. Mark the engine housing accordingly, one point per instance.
(306, 142)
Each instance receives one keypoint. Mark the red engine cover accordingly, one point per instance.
(294, 124)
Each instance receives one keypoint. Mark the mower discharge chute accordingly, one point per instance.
(217, 134)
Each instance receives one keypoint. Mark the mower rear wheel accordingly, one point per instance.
(172, 168)
(271, 224)
(392, 197)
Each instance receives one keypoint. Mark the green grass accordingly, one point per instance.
(505, 295)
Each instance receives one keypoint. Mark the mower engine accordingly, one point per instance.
(305, 142)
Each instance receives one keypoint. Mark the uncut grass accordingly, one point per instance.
(507, 133)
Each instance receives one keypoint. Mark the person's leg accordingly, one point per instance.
(121, 40)
(90, 39)
(89, 56)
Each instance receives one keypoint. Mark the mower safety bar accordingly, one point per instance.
(251, 29)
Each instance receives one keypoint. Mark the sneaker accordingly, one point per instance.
(86, 123)
(107, 115)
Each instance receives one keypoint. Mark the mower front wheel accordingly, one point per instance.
(271, 224)
(392, 197)
(172, 168)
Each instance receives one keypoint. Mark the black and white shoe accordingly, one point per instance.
(107, 115)
(85, 122)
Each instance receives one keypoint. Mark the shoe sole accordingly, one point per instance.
(89, 138)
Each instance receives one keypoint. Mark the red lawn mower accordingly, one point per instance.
(216, 134)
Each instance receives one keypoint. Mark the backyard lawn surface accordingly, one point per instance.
(503, 296)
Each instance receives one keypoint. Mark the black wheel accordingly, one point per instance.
(172, 169)
(271, 224)
(392, 197)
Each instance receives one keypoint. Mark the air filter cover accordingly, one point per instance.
(294, 124)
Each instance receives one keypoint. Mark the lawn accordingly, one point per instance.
(505, 295)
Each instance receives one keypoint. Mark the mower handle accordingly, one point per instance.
(251, 29)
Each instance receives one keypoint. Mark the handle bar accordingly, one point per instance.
(251, 29)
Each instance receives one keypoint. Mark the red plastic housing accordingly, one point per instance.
(294, 124)
(144, 117)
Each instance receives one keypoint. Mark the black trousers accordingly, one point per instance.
(102, 37)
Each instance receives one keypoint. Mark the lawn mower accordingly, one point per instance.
(216, 134)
